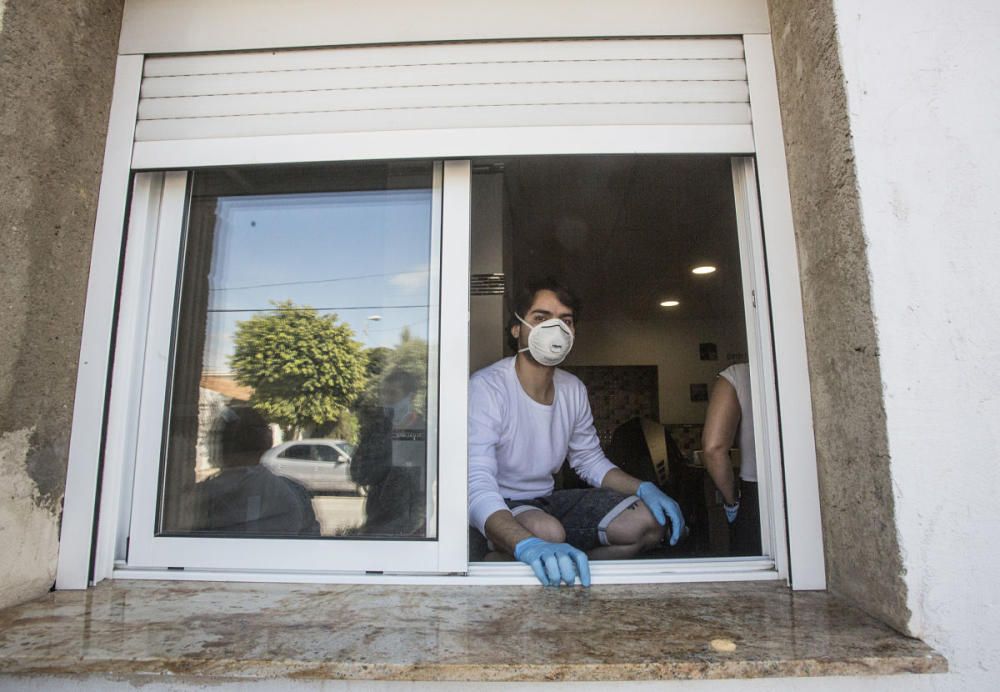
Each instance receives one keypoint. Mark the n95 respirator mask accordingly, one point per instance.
(549, 342)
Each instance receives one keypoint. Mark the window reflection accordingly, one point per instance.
(299, 385)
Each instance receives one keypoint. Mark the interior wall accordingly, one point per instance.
(671, 345)
(56, 77)
(490, 224)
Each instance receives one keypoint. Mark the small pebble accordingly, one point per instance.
(723, 645)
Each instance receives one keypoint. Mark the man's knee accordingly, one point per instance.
(636, 526)
(652, 536)
(543, 525)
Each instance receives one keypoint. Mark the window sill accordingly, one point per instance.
(228, 631)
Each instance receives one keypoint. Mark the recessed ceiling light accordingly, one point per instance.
(704, 269)
(670, 303)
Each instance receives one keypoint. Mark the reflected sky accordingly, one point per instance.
(362, 255)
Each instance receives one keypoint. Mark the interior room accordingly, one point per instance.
(650, 245)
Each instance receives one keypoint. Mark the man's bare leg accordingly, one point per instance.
(632, 532)
(543, 525)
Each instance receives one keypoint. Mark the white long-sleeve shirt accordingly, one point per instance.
(516, 443)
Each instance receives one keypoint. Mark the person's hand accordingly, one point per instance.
(553, 563)
(731, 511)
(662, 506)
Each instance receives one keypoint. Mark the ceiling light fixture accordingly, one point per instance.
(670, 303)
(704, 269)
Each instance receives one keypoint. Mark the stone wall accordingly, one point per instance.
(859, 525)
(57, 62)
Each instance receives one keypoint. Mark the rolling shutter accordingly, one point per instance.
(444, 86)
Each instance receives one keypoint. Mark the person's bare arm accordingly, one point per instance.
(721, 422)
(505, 531)
(620, 482)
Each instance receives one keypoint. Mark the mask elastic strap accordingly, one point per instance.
(526, 348)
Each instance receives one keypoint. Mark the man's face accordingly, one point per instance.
(545, 306)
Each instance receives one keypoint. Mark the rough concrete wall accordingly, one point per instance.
(859, 528)
(57, 61)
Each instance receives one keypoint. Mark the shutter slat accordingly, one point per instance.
(435, 86)
(444, 75)
(417, 97)
(435, 118)
(431, 54)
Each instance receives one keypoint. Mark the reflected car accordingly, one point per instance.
(320, 466)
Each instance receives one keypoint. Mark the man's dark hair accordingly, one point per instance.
(525, 297)
(244, 437)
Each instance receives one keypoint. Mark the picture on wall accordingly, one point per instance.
(699, 392)
(708, 351)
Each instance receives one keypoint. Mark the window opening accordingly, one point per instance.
(625, 232)
(650, 245)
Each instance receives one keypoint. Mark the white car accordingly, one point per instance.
(320, 466)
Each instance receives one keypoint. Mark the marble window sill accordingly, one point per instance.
(229, 631)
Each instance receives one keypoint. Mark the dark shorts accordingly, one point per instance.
(585, 513)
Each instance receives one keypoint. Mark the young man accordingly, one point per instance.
(525, 417)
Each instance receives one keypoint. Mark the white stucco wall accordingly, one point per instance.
(923, 78)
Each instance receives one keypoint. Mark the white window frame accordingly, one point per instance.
(157, 223)
(156, 228)
(802, 563)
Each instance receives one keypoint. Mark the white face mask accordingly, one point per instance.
(549, 342)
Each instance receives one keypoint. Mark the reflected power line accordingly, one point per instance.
(316, 281)
(306, 307)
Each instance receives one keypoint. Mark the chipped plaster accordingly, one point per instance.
(29, 530)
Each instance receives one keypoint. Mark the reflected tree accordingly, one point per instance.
(305, 369)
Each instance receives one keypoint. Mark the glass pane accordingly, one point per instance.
(299, 388)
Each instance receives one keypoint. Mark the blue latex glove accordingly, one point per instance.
(662, 506)
(553, 562)
(731, 511)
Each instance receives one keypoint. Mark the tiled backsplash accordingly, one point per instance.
(619, 393)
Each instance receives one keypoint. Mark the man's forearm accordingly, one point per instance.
(620, 482)
(505, 531)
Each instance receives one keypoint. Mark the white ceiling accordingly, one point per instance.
(625, 231)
